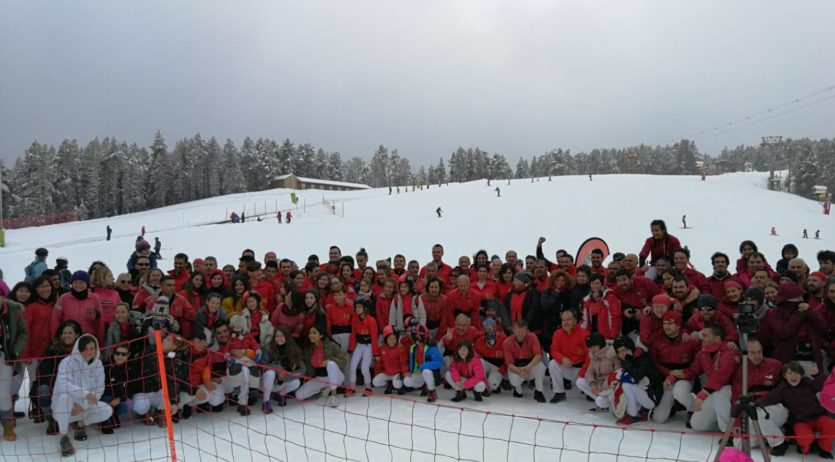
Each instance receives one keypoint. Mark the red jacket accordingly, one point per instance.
(444, 271)
(469, 304)
(492, 354)
(267, 292)
(719, 363)
(762, 378)
(394, 359)
(340, 317)
(608, 313)
(366, 326)
(571, 346)
(381, 309)
(70, 308)
(695, 324)
(514, 352)
(38, 319)
(489, 291)
(697, 280)
(716, 286)
(472, 371)
(670, 354)
(650, 329)
(641, 293)
(656, 249)
(293, 323)
(180, 279)
(436, 312)
(472, 334)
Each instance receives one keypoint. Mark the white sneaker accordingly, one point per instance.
(332, 402)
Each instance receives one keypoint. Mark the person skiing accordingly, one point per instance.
(109, 232)
(817, 234)
(498, 192)
(389, 190)
(157, 247)
(773, 231)
(684, 221)
(243, 217)
(805, 234)
(438, 211)
(590, 177)
(143, 231)
(289, 217)
(279, 216)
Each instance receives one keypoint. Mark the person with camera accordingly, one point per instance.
(719, 362)
(795, 331)
(708, 314)
(673, 351)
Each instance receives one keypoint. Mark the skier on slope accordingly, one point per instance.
(498, 192)
(438, 211)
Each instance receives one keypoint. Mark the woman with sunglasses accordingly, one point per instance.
(117, 382)
(125, 288)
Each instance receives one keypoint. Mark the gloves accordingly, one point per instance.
(258, 356)
(626, 377)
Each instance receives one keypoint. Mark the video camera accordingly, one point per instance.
(746, 320)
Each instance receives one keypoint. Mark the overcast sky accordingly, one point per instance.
(518, 77)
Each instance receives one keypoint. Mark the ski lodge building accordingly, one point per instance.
(291, 181)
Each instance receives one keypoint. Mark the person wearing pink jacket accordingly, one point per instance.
(80, 305)
(466, 372)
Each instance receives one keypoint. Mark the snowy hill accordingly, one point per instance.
(722, 211)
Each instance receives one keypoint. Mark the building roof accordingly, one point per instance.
(324, 182)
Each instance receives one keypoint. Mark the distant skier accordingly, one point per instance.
(773, 231)
(488, 181)
(143, 231)
(398, 190)
(279, 216)
(684, 221)
(243, 217)
(289, 216)
(818, 234)
(389, 190)
(157, 248)
(498, 192)
(590, 177)
(109, 232)
(805, 234)
(438, 211)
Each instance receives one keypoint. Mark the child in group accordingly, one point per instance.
(799, 395)
(600, 364)
(257, 318)
(490, 346)
(466, 372)
(394, 364)
(425, 363)
(363, 346)
(243, 346)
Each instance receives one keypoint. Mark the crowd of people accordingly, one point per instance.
(644, 337)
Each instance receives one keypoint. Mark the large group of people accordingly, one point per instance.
(644, 337)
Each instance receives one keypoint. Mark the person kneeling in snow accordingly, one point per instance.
(601, 363)
(78, 389)
(466, 372)
(394, 360)
(425, 363)
(637, 385)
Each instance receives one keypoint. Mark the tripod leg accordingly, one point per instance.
(764, 447)
(723, 442)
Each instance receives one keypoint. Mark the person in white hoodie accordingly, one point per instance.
(78, 390)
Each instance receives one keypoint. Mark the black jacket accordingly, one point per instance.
(639, 365)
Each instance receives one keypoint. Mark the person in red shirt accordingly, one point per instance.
(660, 244)
(464, 300)
(436, 307)
(363, 346)
(340, 316)
(180, 271)
(332, 265)
(540, 275)
(596, 257)
(673, 350)
(262, 286)
(483, 284)
(716, 281)
(463, 330)
(708, 314)
(601, 310)
(712, 405)
(394, 361)
(444, 270)
(523, 357)
(490, 347)
(568, 353)
(634, 291)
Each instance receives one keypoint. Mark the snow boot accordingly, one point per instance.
(243, 410)
(282, 400)
(460, 395)
(51, 426)
(538, 396)
(433, 396)
(8, 431)
(389, 389)
(267, 408)
(558, 397)
(79, 433)
(66, 446)
(477, 396)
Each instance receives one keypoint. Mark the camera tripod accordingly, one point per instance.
(746, 411)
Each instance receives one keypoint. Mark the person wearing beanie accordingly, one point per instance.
(733, 296)
(568, 354)
(708, 314)
(815, 285)
(62, 267)
(795, 331)
(490, 347)
(523, 301)
(639, 382)
(38, 266)
(651, 322)
(673, 350)
(141, 249)
(393, 360)
(719, 360)
(80, 305)
(600, 364)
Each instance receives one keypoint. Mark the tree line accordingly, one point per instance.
(109, 177)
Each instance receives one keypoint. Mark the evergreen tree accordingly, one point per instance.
(232, 179)
(522, 168)
(157, 179)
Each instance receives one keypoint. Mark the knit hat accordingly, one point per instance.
(818, 275)
(595, 339)
(488, 323)
(41, 252)
(142, 245)
(62, 261)
(388, 330)
(732, 284)
(270, 254)
(237, 323)
(754, 293)
(707, 301)
(624, 342)
(674, 316)
(662, 299)
(80, 276)
(161, 306)
(198, 262)
(523, 276)
(618, 256)
(789, 291)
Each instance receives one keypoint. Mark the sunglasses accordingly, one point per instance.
(705, 308)
(143, 264)
(120, 353)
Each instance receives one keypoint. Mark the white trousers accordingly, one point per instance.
(560, 373)
(269, 384)
(681, 391)
(636, 398)
(92, 414)
(361, 358)
(600, 401)
(715, 413)
(7, 387)
(334, 378)
(381, 379)
(494, 375)
(427, 377)
(479, 387)
(537, 374)
(773, 425)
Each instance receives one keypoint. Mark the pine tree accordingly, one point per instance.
(157, 179)
(232, 179)
(379, 168)
(440, 173)
(355, 170)
(335, 167)
(522, 168)
(68, 176)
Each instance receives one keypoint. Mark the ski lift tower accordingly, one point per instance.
(771, 142)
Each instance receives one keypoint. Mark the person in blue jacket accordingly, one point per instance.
(425, 363)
